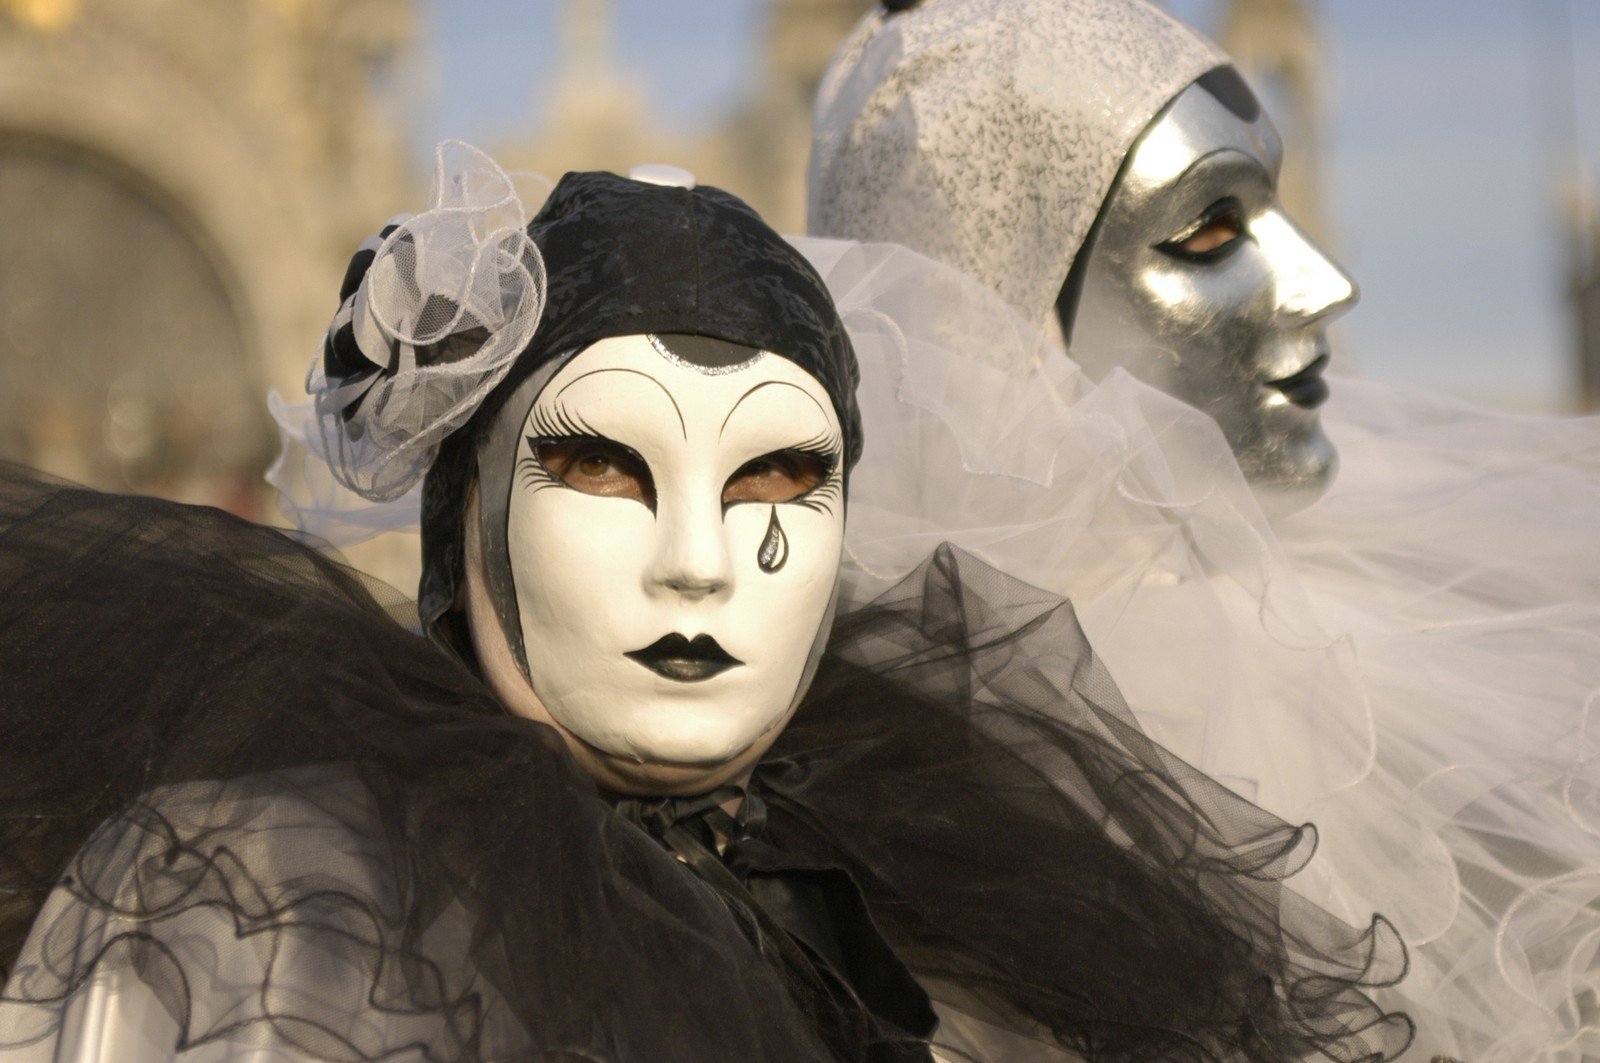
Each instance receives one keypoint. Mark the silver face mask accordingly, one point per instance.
(1195, 281)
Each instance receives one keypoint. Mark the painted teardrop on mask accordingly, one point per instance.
(774, 546)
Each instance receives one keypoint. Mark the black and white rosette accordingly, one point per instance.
(434, 311)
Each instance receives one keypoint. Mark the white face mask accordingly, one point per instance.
(674, 535)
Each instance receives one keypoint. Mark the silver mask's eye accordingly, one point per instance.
(1215, 235)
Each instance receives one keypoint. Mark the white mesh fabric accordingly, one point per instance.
(453, 296)
(1412, 664)
(318, 502)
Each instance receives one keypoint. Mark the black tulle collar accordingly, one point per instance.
(184, 741)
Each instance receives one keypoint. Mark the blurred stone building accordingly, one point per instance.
(1279, 46)
(599, 119)
(1583, 271)
(181, 182)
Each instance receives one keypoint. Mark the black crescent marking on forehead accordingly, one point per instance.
(768, 384)
(704, 354)
(1229, 88)
(682, 426)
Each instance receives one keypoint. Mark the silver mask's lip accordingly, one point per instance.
(1305, 387)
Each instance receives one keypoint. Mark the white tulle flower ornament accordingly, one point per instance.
(433, 317)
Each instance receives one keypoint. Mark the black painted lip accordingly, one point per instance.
(683, 659)
(1305, 389)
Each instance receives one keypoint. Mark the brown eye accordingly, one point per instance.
(782, 476)
(1218, 232)
(597, 467)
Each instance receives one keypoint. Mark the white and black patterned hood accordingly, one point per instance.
(987, 133)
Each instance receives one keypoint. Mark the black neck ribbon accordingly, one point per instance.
(813, 915)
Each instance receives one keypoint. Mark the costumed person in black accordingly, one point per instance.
(639, 794)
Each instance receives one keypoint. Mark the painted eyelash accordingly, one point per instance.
(530, 473)
(825, 496)
(550, 425)
(825, 445)
(558, 422)
(830, 492)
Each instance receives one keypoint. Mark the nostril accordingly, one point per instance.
(692, 585)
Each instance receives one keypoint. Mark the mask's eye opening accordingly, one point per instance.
(781, 476)
(595, 465)
(1218, 233)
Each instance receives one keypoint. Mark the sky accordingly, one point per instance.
(1445, 135)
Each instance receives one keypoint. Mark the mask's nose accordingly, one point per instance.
(1310, 285)
(691, 559)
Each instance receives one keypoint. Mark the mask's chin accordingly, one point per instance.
(1289, 473)
(612, 773)
(1283, 497)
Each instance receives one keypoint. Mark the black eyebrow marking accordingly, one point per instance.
(768, 384)
(682, 427)
(1229, 88)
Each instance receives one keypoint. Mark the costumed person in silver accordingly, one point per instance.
(1407, 652)
(642, 788)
